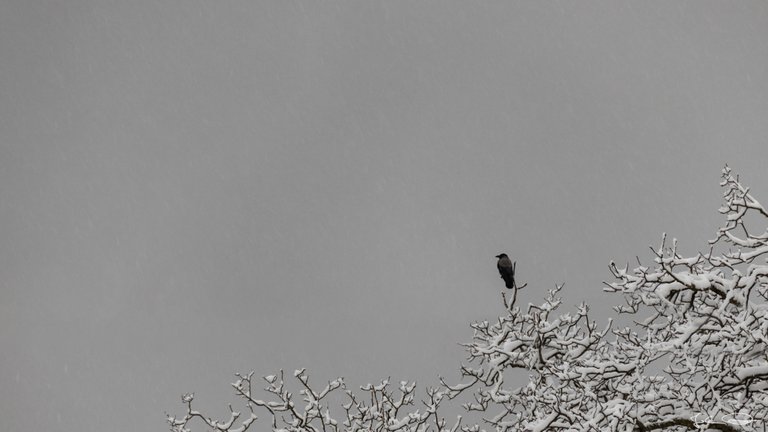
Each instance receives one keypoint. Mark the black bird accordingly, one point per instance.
(506, 270)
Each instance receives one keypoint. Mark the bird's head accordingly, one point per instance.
(501, 256)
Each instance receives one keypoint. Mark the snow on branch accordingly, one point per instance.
(738, 204)
(378, 408)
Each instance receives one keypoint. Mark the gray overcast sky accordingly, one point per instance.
(192, 188)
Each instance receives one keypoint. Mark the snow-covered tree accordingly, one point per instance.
(694, 356)
(378, 408)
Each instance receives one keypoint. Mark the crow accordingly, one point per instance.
(506, 270)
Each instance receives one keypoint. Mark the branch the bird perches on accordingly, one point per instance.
(515, 289)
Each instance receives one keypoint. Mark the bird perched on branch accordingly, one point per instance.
(506, 270)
